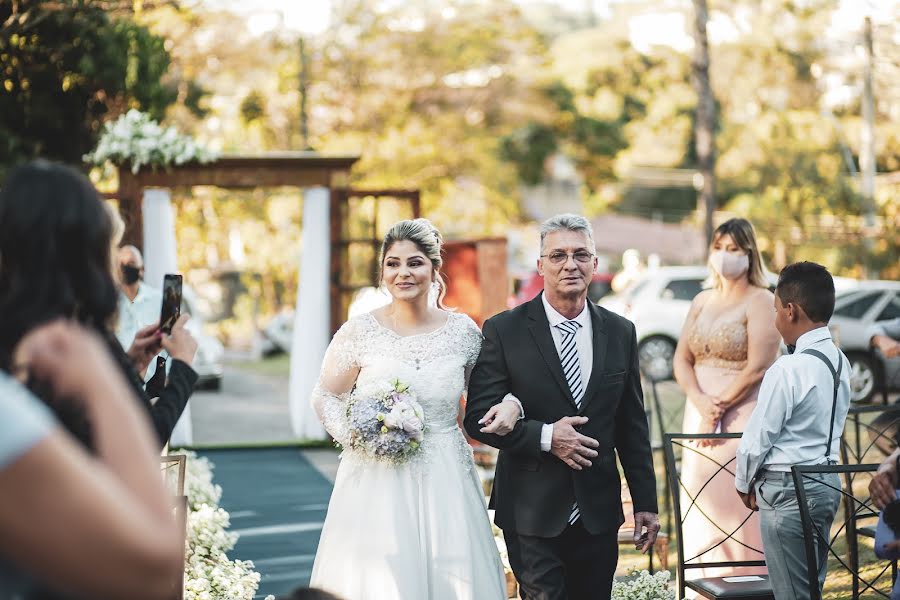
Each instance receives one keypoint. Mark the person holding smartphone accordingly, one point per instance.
(56, 243)
(139, 316)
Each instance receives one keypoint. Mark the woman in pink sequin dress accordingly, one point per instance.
(728, 341)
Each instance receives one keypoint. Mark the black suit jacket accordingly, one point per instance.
(533, 490)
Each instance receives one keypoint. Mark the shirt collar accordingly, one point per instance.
(809, 338)
(553, 316)
(143, 294)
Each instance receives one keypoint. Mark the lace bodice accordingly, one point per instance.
(435, 365)
(719, 342)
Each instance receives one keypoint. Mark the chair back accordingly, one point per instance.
(677, 445)
(173, 468)
(860, 517)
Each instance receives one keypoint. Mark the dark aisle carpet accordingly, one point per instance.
(277, 501)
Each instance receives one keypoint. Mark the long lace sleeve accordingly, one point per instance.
(471, 347)
(332, 392)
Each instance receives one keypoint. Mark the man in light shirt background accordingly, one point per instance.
(803, 403)
(139, 303)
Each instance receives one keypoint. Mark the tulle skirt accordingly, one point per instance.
(416, 531)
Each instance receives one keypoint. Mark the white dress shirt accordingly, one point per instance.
(584, 338)
(136, 314)
(790, 423)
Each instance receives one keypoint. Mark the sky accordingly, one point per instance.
(312, 16)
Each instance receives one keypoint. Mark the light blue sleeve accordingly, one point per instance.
(884, 535)
(24, 420)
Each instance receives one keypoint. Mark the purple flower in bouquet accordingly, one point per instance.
(386, 421)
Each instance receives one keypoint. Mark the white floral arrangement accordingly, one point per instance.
(209, 574)
(137, 139)
(386, 421)
(643, 586)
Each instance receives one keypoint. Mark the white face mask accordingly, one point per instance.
(728, 264)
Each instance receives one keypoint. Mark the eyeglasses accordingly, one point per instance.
(558, 258)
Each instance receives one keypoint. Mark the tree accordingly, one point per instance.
(66, 67)
(704, 125)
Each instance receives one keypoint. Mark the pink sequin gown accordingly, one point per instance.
(719, 347)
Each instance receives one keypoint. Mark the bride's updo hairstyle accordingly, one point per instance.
(427, 239)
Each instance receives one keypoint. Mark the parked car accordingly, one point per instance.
(210, 352)
(854, 313)
(658, 303)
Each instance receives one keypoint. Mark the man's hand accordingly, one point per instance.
(749, 499)
(147, 344)
(180, 344)
(888, 346)
(501, 418)
(570, 446)
(644, 540)
(883, 484)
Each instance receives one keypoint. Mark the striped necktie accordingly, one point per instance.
(568, 357)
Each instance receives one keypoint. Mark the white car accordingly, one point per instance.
(854, 314)
(658, 303)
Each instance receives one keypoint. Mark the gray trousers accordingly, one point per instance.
(782, 529)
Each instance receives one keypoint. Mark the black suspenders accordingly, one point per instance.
(837, 383)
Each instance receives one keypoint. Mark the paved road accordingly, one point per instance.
(277, 501)
(250, 407)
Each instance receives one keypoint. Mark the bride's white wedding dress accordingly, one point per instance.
(418, 530)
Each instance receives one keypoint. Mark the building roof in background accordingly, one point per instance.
(674, 243)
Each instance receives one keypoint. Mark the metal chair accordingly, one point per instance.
(714, 588)
(868, 436)
(173, 469)
(667, 420)
(858, 509)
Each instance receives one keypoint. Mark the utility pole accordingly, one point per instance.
(304, 88)
(704, 124)
(867, 133)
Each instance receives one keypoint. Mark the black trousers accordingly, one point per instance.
(575, 565)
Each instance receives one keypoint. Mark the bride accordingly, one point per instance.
(416, 530)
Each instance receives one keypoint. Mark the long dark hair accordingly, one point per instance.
(54, 253)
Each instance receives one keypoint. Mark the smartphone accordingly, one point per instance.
(171, 302)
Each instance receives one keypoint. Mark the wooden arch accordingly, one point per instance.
(275, 169)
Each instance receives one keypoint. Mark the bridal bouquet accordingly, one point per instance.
(386, 421)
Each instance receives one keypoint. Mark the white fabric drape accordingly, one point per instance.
(159, 259)
(313, 315)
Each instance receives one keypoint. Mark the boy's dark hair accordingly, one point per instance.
(303, 593)
(810, 286)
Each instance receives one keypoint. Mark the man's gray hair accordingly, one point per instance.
(569, 222)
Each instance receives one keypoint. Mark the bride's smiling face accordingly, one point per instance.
(406, 271)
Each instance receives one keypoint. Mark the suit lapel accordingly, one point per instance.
(539, 327)
(598, 327)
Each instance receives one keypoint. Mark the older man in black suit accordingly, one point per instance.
(573, 366)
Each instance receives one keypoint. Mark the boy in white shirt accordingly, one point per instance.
(803, 403)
